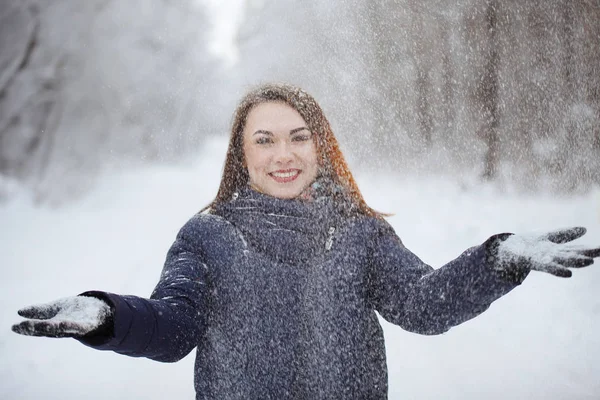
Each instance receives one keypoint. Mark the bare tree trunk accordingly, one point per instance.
(425, 119)
(422, 59)
(382, 81)
(488, 91)
(591, 55)
(569, 66)
(448, 83)
(14, 59)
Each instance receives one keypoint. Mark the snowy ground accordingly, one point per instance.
(541, 341)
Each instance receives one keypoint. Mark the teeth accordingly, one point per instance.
(284, 174)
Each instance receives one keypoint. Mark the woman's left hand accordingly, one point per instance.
(550, 252)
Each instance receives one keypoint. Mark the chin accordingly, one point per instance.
(286, 194)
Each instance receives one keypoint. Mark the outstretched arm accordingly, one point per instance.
(165, 327)
(410, 293)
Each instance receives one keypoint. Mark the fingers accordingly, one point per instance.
(593, 253)
(554, 269)
(40, 311)
(566, 235)
(49, 329)
(579, 262)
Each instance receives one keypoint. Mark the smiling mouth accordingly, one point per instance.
(285, 176)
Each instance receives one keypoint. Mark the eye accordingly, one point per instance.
(264, 140)
(301, 138)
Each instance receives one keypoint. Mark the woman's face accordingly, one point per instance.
(280, 152)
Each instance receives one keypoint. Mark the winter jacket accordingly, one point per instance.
(279, 298)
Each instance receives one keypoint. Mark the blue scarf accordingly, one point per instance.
(286, 230)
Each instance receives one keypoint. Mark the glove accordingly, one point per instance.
(513, 256)
(77, 317)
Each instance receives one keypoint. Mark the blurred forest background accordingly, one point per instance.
(499, 90)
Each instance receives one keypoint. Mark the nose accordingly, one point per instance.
(283, 154)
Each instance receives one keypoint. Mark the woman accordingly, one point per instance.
(277, 281)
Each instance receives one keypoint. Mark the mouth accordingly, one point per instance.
(285, 176)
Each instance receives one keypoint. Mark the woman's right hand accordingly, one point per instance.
(75, 316)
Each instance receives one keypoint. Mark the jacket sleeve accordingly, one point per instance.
(168, 325)
(409, 293)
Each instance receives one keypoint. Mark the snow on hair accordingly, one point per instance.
(331, 160)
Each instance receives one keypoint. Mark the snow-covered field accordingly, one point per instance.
(541, 341)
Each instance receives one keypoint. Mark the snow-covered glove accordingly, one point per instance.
(513, 256)
(76, 316)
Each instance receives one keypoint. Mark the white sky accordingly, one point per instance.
(226, 17)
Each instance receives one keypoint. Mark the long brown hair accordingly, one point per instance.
(331, 160)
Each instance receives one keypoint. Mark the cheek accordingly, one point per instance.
(254, 159)
(310, 156)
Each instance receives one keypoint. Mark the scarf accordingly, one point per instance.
(287, 230)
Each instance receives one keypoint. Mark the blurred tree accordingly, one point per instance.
(390, 35)
(508, 87)
(488, 93)
(120, 83)
(449, 84)
(19, 33)
(422, 51)
(576, 162)
(591, 75)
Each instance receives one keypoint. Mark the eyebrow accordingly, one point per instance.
(296, 130)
